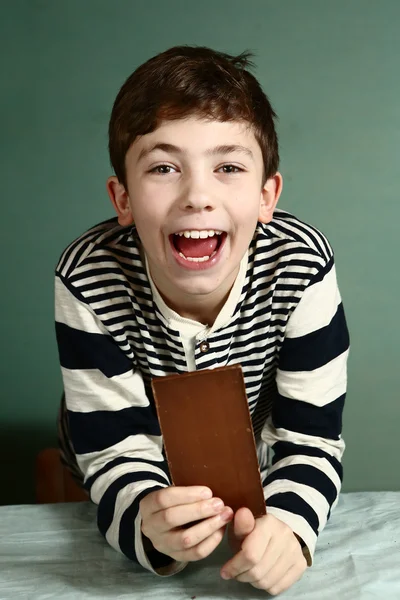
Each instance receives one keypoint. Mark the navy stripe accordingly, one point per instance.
(318, 348)
(291, 287)
(303, 417)
(322, 272)
(285, 300)
(163, 465)
(111, 322)
(106, 509)
(103, 296)
(97, 430)
(82, 350)
(98, 271)
(295, 504)
(307, 475)
(123, 304)
(95, 285)
(286, 449)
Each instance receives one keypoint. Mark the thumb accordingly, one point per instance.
(243, 524)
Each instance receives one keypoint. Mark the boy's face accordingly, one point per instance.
(186, 176)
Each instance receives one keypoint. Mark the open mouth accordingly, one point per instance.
(198, 246)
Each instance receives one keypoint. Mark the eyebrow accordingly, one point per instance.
(222, 149)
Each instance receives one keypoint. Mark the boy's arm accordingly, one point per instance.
(113, 428)
(304, 428)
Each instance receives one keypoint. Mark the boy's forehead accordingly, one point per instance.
(195, 131)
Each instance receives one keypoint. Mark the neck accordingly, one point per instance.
(203, 308)
(202, 312)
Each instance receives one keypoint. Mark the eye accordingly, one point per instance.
(231, 167)
(158, 172)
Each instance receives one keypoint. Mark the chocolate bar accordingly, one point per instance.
(208, 436)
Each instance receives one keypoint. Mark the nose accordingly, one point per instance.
(196, 196)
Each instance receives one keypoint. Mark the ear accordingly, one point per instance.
(120, 200)
(269, 197)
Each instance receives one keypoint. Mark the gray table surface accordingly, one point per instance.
(54, 551)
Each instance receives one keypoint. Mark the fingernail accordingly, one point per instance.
(206, 494)
(216, 504)
(225, 575)
(226, 515)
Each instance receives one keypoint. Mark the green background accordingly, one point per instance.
(331, 70)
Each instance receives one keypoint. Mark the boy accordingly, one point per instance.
(200, 270)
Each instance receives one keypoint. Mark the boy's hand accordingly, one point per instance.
(167, 512)
(269, 556)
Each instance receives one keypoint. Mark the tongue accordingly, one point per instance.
(192, 248)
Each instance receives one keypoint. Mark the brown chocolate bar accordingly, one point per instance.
(208, 435)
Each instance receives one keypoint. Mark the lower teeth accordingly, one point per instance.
(193, 259)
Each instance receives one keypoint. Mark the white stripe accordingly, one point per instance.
(147, 447)
(316, 308)
(318, 387)
(114, 312)
(274, 248)
(298, 525)
(317, 462)
(70, 311)
(89, 275)
(250, 350)
(248, 335)
(103, 482)
(313, 497)
(139, 549)
(270, 435)
(90, 390)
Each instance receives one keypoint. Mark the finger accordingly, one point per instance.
(244, 523)
(203, 549)
(287, 580)
(179, 516)
(272, 566)
(265, 565)
(186, 539)
(250, 555)
(174, 496)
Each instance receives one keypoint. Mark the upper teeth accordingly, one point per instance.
(194, 233)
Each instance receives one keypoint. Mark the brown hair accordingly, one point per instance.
(187, 80)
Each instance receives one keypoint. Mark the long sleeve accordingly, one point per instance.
(114, 429)
(304, 428)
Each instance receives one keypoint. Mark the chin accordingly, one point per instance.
(197, 288)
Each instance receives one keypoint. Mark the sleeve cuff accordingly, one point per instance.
(300, 528)
(153, 560)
